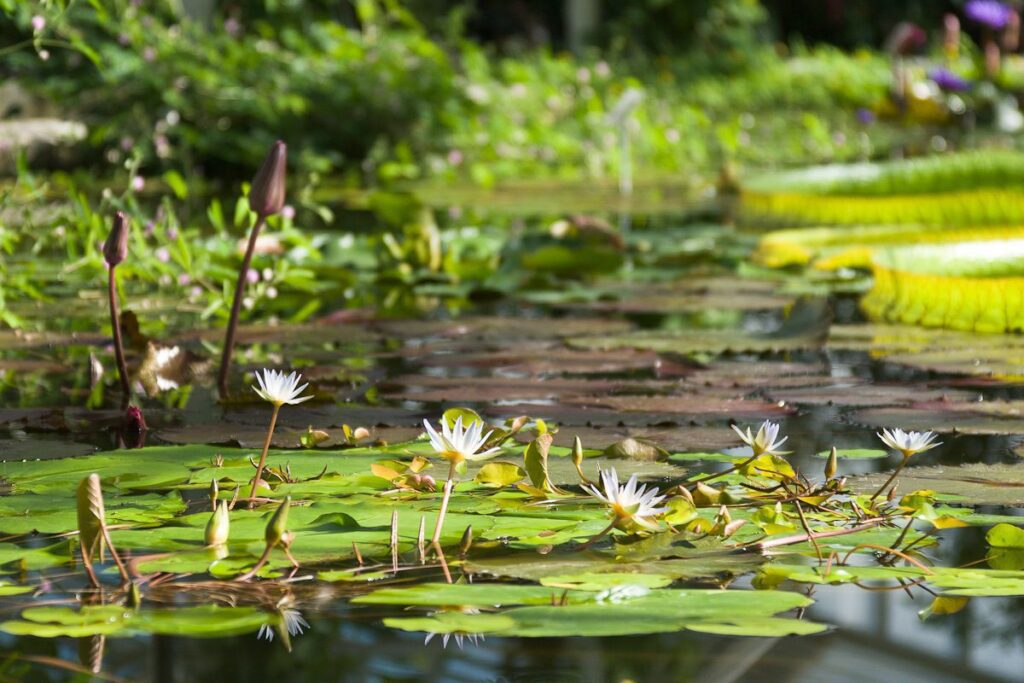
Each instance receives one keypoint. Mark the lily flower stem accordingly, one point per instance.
(730, 470)
(87, 563)
(258, 566)
(892, 476)
(236, 306)
(448, 486)
(263, 456)
(444, 562)
(115, 324)
(597, 537)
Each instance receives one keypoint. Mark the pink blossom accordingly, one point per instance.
(454, 157)
(138, 182)
(253, 276)
(184, 279)
(163, 255)
(38, 23)
(288, 212)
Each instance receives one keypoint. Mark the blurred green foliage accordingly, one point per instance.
(366, 91)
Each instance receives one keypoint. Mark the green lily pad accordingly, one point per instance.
(199, 621)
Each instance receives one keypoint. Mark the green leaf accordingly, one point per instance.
(499, 474)
(1005, 536)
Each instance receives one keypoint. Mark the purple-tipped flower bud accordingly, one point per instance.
(266, 197)
(115, 249)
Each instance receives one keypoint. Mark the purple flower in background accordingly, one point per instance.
(948, 81)
(252, 276)
(991, 13)
(38, 23)
(163, 255)
(865, 115)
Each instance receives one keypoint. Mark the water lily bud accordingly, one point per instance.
(115, 249)
(723, 514)
(91, 515)
(214, 493)
(278, 525)
(266, 196)
(134, 597)
(832, 465)
(892, 492)
(577, 451)
(219, 526)
(467, 540)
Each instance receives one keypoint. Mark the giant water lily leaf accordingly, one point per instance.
(990, 417)
(952, 580)
(975, 484)
(655, 611)
(978, 207)
(935, 350)
(855, 453)
(702, 565)
(857, 394)
(678, 296)
(806, 326)
(202, 621)
(842, 246)
(979, 304)
(689, 405)
(462, 594)
(972, 169)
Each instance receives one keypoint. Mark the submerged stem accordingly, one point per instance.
(115, 323)
(892, 476)
(236, 306)
(263, 456)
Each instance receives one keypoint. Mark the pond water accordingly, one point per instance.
(683, 339)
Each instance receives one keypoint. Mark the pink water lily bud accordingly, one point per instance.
(266, 197)
(115, 249)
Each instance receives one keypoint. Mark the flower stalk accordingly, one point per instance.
(115, 250)
(266, 198)
(278, 389)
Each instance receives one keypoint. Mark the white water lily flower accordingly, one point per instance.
(909, 443)
(617, 594)
(279, 388)
(764, 442)
(458, 444)
(629, 502)
(460, 638)
(292, 621)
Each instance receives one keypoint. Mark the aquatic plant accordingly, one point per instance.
(115, 250)
(218, 529)
(908, 444)
(277, 389)
(631, 504)
(766, 441)
(456, 444)
(266, 198)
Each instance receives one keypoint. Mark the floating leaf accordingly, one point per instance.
(1005, 536)
(499, 474)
